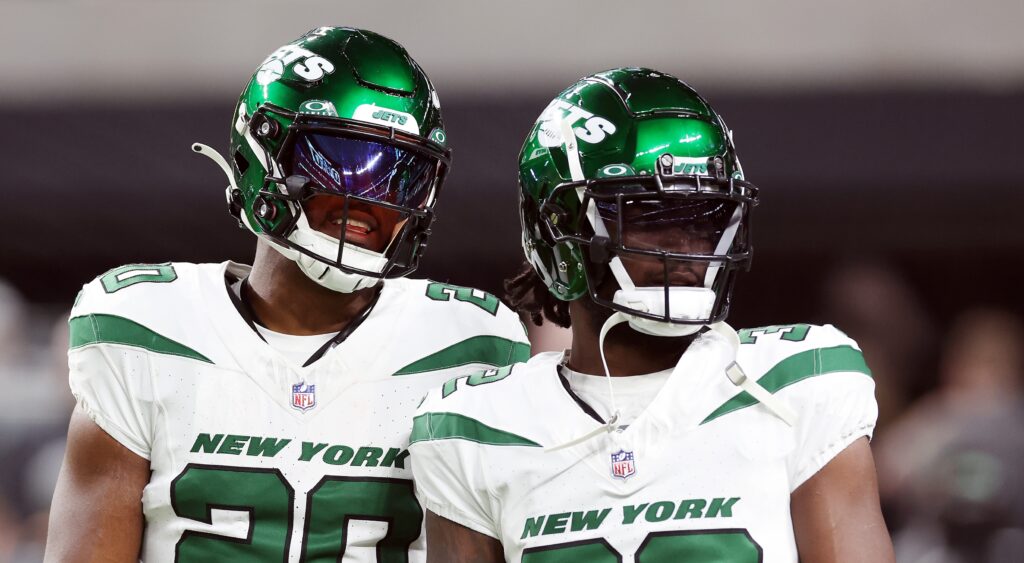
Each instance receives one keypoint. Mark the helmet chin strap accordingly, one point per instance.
(733, 372)
(326, 275)
(739, 378)
(617, 318)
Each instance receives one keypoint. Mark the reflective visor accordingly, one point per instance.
(675, 225)
(367, 169)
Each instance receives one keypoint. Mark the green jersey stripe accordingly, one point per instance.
(448, 425)
(491, 350)
(111, 329)
(797, 368)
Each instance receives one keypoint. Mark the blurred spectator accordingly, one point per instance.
(878, 308)
(950, 467)
(12, 324)
(12, 318)
(37, 407)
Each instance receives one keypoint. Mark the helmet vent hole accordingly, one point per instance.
(240, 162)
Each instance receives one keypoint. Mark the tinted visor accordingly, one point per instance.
(362, 168)
(683, 225)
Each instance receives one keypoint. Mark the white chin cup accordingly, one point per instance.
(323, 245)
(685, 304)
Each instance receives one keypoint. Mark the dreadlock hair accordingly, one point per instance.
(527, 293)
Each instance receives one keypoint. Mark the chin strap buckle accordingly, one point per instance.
(777, 407)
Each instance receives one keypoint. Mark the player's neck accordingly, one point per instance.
(285, 300)
(627, 351)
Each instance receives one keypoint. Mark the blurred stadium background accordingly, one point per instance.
(885, 136)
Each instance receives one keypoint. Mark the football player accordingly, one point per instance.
(662, 435)
(229, 413)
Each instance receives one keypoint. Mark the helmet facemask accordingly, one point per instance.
(671, 242)
(350, 203)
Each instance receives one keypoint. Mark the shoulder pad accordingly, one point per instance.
(476, 328)
(779, 356)
(150, 306)
(782, 356)
(490, 407)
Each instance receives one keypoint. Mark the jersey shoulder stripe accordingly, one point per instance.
(432, 426)
(796, 368)
(781, 356)
(157, 308)
(447, 327)
(494, 407)
(487, 349)
(100, 328)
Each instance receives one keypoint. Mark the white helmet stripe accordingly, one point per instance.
(265, 159)
(724, 243)
(576, 172)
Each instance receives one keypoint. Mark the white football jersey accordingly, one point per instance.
(703, 474)
(253, 457)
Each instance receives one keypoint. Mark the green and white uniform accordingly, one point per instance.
(256, 458)
(705, 472)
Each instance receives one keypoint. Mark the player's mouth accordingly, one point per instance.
(355, 226)
(361, 228)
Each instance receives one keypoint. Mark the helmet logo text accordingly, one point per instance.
(594, 128)
(690, 166)
(387, 117)
(304, 63)
(390, 116)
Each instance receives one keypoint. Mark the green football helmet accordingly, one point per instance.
(628, 166)
(337, 154)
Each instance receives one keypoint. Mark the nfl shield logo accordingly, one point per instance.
(622, 464)
(303, 396)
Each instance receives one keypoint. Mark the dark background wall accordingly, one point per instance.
(930, 183)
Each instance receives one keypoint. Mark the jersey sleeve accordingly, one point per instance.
(450, 480)
(109, 381)
(836, 408)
